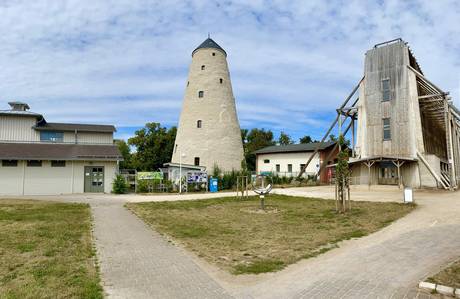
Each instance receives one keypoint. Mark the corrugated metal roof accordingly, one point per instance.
(209, 43)
(303, 147)
(73, 127)
(52, 151)
(20, 113)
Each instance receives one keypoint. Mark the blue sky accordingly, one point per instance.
(125, 62)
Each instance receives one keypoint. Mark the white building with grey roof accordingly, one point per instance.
(43, 158)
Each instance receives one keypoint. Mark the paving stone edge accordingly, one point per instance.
(444, 290)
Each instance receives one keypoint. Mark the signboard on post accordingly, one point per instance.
(197, 177)
(150, 175)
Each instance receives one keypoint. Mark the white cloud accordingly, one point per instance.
(125, 62)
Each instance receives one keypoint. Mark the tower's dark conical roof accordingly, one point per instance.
(209, 43)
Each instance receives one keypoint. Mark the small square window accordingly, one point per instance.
(9, 163)
(278, 168)
(197, 161)
(198, 123)
(221, 80)
(202, 67)
(57, 163)
(34, 163)
(201, 94)
(302, 166)
(266, 161)
(213, 54)
(289, 167)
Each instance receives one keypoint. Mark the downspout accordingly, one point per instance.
(23, 175)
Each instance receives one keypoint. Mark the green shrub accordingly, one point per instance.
(119, 185)
(143, 186)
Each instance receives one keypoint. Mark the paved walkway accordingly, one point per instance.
(136, 262)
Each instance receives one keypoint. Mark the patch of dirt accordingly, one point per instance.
(258, 210)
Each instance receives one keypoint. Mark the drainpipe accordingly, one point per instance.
(23, 175)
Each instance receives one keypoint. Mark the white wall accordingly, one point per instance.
(16, 128)
(20, 128)
(283, 159)
(47, 180)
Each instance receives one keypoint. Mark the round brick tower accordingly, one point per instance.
(209, 132)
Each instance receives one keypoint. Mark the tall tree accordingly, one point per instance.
(154, 146)
(256, 139)
(284, 139)
(305, 139)
(125, 151)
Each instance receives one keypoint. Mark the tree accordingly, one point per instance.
(154, 146)
(125, 151)
(256, 139)
(284, 139)
(306, 139)
(342, 174)
(332, 138)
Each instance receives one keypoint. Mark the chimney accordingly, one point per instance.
(19, 106)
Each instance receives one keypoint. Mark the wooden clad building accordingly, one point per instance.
(408, 130)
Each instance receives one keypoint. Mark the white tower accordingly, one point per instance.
(209, 132)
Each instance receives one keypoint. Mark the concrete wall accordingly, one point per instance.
(47, 180)
(218, 141)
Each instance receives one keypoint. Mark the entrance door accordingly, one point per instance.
(94, 178)
(388, 176)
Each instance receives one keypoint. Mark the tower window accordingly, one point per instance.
(202, 67)
(386, 129)
(198, 123)
(188, 82)
(213, 54)
(197, 161)
(221, 80)
(386, 90)
(266, 161)
(200, 94)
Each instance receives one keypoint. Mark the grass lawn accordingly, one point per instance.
(448, 277)
(227, 231)
(46, 251)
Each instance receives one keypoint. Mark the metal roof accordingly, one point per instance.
(209, 43)
(75, 127)
(53, 151)
(303, 147)
(20, 113)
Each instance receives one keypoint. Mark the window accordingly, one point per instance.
(221, 80)
(213, 54)
(386, 90)
(57, 163)
(34, 163)
(198, 124)
(188, 82)
(289, 167)
(266, 161)
(386, 129)
(197, 161)
(302, 166)
(51, 136)
(278, 168)
(9, 163)
(201, 94)
(202, 67)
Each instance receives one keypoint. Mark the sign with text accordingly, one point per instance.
(197, 177)
(150, 175)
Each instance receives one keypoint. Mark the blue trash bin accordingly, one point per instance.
(213, 185)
